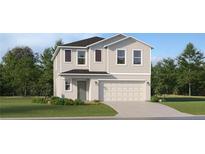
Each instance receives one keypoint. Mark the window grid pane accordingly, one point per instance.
(137, 53)
(68, 55)
(121, 53)
(98, 55)
(137, 59)
(120, 61)
(120, 56)
(67, 85)
(81, 60)
(81, 57)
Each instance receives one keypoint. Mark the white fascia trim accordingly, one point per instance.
(75, 74)
(130, 37)
(142, 42)
(121, 80)
(55, 53)
(104, 40)
(116, 42)
(65, 47)
(72, 47)
(130, 74)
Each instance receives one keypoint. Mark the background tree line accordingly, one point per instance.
(25, 73)
(184, 75)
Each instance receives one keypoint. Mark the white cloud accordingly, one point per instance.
(156, 59)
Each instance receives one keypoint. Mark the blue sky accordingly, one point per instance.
(165, 44)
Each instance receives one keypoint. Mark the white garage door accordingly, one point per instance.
(122, 90)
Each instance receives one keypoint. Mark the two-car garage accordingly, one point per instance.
(123, 90)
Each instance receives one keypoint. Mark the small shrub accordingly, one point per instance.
(68, 101)
(78, 102)
(96, 101)
(162, 100)
(40, 100)
(55, 100)
(58, 101)
(155, 99)
(61, 101)
(54, 97)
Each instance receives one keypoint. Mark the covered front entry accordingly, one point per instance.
(122, 90)
(81, 90)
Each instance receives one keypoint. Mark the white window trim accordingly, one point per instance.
(125, 57)
(71, 85)
(70, 55)
(95, 56)
(85, 58)
(133, 57)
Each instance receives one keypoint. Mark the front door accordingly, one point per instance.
(81, 90)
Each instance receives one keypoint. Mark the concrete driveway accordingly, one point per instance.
(144, 109)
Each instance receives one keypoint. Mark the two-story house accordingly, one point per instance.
(112, 69)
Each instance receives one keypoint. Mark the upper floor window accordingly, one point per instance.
(120, 56)
(67, 55)
(137, 57)
(81, 59)
(98, 55)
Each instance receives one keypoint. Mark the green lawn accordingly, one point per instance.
(193, 105)
(23, 107)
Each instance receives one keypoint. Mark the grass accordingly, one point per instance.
(23, 107)
(188, 104)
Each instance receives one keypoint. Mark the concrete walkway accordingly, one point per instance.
(144, 109)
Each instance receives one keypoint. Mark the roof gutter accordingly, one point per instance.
(81, 74)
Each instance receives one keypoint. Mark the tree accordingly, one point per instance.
(2, 81)
(57, 43)
(164, 77)
(20, 70)
(190, 63)
(46, 79)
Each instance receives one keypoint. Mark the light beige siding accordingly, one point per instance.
(129, 45)
(66, 66)
(98, 66)
(101, 66)
(125, 72)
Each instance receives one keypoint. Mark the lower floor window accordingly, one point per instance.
(67, 84)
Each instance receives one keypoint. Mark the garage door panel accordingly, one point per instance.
(122, 90)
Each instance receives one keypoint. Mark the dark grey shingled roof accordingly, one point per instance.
(84, 71)
(85, 42)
